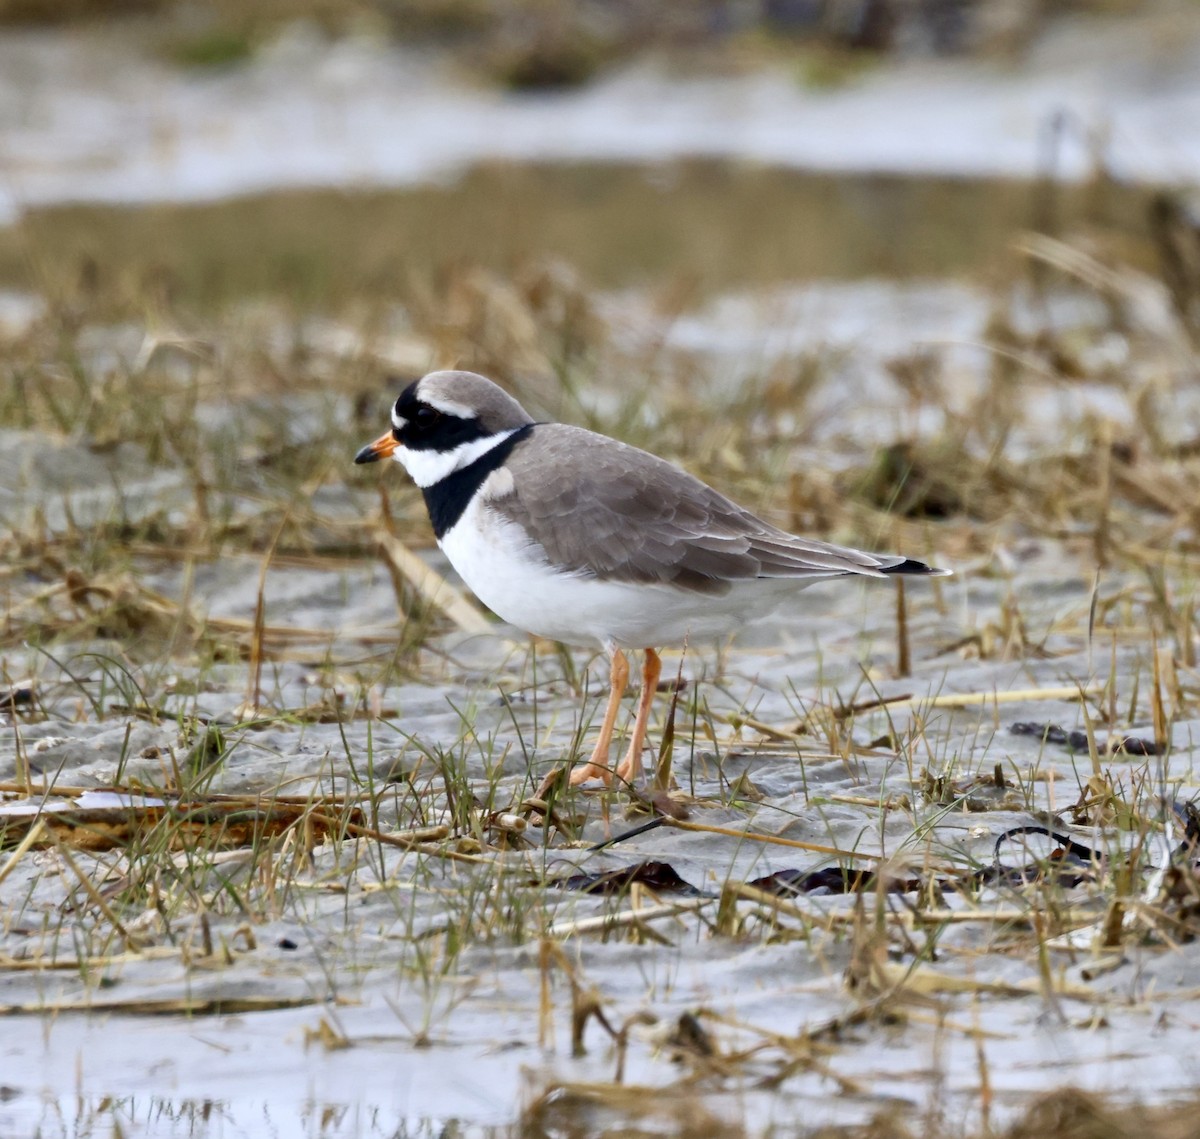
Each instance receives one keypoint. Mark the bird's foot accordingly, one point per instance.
(586, 772)
(629, 770)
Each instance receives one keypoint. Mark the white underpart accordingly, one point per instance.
(429, 467)
(510, 575)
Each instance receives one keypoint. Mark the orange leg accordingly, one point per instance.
(630, 768)
(597, 767)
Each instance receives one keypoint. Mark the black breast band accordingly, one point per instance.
(448, 498)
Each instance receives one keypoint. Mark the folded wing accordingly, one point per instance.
(627, 515)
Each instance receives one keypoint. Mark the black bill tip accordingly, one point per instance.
(367, 455)
(914, 567)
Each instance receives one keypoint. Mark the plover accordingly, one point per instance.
(577, 537)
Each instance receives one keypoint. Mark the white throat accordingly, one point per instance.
(427, 468)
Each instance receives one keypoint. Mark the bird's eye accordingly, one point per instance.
(426, 416)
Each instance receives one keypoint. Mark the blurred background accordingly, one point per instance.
(865, 263)
(327, 151)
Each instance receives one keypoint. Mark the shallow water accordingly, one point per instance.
(356, 165)
(345, 948)
(615, 190)
(89, 115)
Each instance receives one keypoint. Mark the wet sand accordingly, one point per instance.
(405, 987)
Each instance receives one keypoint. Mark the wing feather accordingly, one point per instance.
(627, 515)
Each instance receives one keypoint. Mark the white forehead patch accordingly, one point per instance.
(450, 406)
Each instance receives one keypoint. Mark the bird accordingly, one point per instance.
(577, 537)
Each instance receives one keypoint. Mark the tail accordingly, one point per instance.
(918, 569)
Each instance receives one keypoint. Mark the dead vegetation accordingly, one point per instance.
(1065, 1114)
(540, 44)
(177, 444)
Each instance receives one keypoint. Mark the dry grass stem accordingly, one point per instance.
(769, 840)
(434, 589)
(624, 919)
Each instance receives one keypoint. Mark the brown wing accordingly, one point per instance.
(627, 515)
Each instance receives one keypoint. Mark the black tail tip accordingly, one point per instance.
(910, 566)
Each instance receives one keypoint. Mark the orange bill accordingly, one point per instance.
(380, 449)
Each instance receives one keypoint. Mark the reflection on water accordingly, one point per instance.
(130, 1116)
(707, 225)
